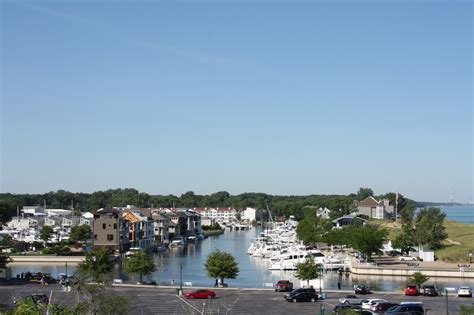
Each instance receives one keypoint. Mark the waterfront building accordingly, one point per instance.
(249, 214)
(205, 221)
(111, 230)
(178, 223)
(373, 208)
(160, 227)
(224, 215)
(140, 229)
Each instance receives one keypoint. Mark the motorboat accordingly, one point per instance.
(177, 242)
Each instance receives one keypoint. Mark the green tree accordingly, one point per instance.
(403, 241)
(45, 233)
(28, 306)
(221, 265)
(310, 229)
(429, 227)
(80, 233)
(418, 278)
(367, 239)
(139, 263)
(364, 193)
(307, 270)
(96, 266)
(5, 242)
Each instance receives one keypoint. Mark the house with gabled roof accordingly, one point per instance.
(373, 208)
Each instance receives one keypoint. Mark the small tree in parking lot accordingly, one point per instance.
(308, 270)
(418, 278)
(139, 263)
(221, 265)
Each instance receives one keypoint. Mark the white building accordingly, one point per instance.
(249, 214)
(207, 221)
(323, 213)
(219, 214)
(33, 211)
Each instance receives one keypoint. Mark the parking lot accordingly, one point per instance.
(154, 300)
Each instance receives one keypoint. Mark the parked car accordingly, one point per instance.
(283, 286)
(411, 289)
(361, 289)
(367, 304)
(302, 296)
(406, 258)
(464, 292)
(351, 300)
(380, 307)
(295, 291)
(201, 294)
(430, 290)
(406, 308)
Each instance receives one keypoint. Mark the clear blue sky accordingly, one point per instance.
(280, 97)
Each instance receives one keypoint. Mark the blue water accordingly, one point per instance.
(464, 214)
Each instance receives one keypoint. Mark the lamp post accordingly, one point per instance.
(320, 280)
(180, 278)
(447, 304)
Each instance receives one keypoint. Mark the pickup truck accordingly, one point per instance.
(351, 299)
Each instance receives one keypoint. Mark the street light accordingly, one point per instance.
(320, 280)
(180, 279)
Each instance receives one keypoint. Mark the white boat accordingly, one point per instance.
(177, 242)
(132, 251)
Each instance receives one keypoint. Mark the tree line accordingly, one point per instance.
(279, 205)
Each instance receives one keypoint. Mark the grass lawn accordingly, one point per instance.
(456, 250)
(461, 233)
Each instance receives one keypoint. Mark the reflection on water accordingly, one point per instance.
(253, 270)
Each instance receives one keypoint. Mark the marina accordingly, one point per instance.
(186, 263)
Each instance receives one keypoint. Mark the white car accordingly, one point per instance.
(465, 291)
(350, 299)
(366, 304)
(406, 258)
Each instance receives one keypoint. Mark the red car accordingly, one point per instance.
(201, 294)
(411, 289)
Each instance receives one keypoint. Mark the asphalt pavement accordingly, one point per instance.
(158, 300)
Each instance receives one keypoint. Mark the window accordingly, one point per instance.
(110, 237)
(104, 226)
(95, 236)
(115, 226)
